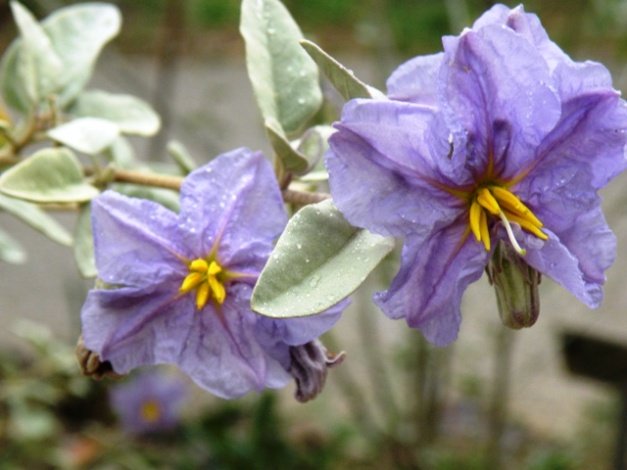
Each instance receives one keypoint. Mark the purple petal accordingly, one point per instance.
(136, 241)
(233, 201)
(427, 290)
(560, 264)
(275, 335)
(416, 80)
(219, 351)
(590, 137)
(379, 199)
(498, 88)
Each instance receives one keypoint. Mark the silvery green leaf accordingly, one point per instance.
(87, 135)
(121, 153)
(37, 66)
(342, 78)
(36, 218)
(72, 37)
(284, 78)
(78, 33)
(84, 243)
(291, 158)
(132, 115)
(181, 156)
(315, 142)
(318, 260)
(51, 175)
(10, 249)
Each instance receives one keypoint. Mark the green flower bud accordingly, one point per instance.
(516, 285)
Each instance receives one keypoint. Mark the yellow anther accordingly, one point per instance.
(199, 265)
(191, 281)
(510, 201)
(204, 276)
(217, 289)
(202, 295)
(485, 233)
(527, 225)
(475, 218)
(214, 268)
(488, 202)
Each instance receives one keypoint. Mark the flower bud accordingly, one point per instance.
(516, 285)
(90, 363)
(309, 365)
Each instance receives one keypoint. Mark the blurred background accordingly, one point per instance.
(495, 399)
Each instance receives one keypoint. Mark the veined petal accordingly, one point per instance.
(136, 241)
(221, 351)
(379, 199)
(434, 274)
(591, 136)
(415, 80)
(498, 88)
(235, 200)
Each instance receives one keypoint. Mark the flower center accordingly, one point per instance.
(204, 277)
(499, 202)
(150, 411)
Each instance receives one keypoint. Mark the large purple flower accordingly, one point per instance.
(180, 284)
(500, 138)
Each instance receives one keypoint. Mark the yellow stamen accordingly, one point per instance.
(475, 218)
(501, 202)
(205, 277)
(199, 265)
(202, 295)
(485, 233)
(488, 202)
(528, 226)
(513, 204)
(217, 289)
(191, 281)
(214, 268)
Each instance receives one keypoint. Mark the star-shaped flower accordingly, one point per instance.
(502, 138)
(180, 284)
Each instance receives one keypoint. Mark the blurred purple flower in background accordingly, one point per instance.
(502, 138)
(149, 403)
(182, 282)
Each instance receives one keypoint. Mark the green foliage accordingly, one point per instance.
(343, 79)
(283, 76)
(52, 175)
(319, 260)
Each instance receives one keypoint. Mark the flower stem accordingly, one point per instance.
(303, 198)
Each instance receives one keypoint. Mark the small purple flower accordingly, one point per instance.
(182, 282)
(148, 403)
(502, 138)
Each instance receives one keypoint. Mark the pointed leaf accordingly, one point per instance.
(181, 156)
(284, 78)
(291, 158)
(132, 115)
(36, 218)
(87, 135)
(74, 37)
(10, 249)
(319, 260)
(84, 243)
(37, 66)
(342, 78)
(78, 34)
(50, 175)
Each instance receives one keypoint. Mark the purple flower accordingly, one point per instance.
(502, 138)
(182, 282)
(150, 402)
